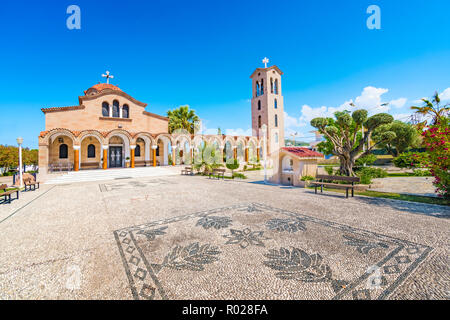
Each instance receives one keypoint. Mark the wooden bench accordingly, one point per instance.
(187, 171)
(320, 182)
(60, 166)
(218, 172)
(7, 194)
(90, 165)
(141, 163)
(30, 183)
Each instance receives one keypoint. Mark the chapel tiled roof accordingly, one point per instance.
(303, 152)
(102, 86)
(56, 109)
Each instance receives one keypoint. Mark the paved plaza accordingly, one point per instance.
(190, 237)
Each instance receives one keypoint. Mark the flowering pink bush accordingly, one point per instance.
(436, 138)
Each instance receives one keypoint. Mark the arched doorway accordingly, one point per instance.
(118, 151)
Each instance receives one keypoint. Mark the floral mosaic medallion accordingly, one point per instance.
(253, 251)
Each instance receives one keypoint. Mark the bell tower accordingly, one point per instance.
(268, 106)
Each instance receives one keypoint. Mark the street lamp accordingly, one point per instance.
(264, 130)
(19, 142)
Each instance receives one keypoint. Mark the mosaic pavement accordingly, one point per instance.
(271, 253)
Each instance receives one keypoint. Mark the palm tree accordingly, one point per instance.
(182, 118)
(433, 108)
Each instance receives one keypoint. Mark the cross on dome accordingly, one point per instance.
(107, 76)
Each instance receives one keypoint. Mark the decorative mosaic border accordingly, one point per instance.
(395, 267)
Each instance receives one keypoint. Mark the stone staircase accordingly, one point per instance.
(112, 174)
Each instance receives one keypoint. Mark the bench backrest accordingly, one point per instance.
(3, 187)
(338, 178)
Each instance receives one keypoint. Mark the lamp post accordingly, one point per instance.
(19, 142)
(264, 129)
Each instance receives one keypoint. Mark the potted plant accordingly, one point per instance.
(127, 162)
(305, 180)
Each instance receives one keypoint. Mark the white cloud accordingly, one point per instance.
(370, 97)
(398, 103)
(445, 95)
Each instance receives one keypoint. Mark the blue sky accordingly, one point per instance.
(201, 53)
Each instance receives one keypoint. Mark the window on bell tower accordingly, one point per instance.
(259, 121)
(276, 120)
(259, 104)
(262, 86)
(276, 86)
(271, 85)
(275, 104)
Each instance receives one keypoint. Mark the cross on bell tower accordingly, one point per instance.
(107, 76)
(265, 61)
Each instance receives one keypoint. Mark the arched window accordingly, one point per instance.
(276, 86)
(259, 121)
(262, 86)
(91, 151)
(257, 88)
(125, 111)
(276, 120)
(115, 111)
(137, 151)
(259, 104)
(275, 104)
(271, 85)
(63, 151)
(157, 151)
(105, 109)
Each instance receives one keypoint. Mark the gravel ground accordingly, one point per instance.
(183, 237)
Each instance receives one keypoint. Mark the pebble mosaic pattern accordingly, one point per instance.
(254, 251)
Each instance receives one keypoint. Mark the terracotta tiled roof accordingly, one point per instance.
(57, 109)
(102, 86)
(303, 152)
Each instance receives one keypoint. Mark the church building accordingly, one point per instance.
(111, 129)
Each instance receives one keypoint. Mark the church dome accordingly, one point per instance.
(100, 87)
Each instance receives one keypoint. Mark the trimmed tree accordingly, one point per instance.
(344, 138)
(406, 137)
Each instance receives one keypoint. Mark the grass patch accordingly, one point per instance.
(395, 196)
(401, 174)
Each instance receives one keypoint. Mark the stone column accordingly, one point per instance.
(246, 154)
(235, 153)
(43, 158)
(257, 154)
(174, 155)
(132, 156)
(105, 157)
(154, 155)
(76, 158)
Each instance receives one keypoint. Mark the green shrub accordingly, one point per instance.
(366, 160)
(329, 170)
(421, 173)
(233, 166)
(239, 175)
(365, 179)
(307, 178)
(372, 172)
(366, 174)
(407, 160)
